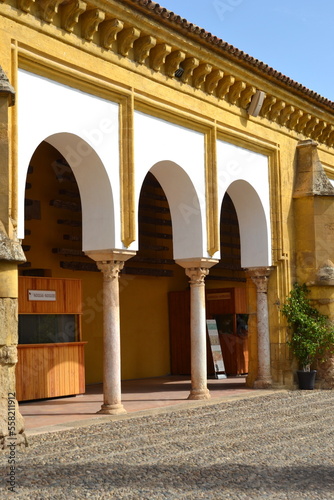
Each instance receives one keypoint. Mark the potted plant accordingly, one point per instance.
(311, 333)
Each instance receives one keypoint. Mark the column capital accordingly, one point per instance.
(260, 277)
(197, 275)
(110, 269)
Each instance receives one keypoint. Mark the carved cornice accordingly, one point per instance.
(218, 81)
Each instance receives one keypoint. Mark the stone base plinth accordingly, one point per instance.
(117, 409)
(199, 394)
(263, 384)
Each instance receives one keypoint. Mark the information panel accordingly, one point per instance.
(217, 354)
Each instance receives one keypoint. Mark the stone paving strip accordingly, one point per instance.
(275, 446)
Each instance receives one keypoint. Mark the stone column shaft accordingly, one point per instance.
(199, 388)
(260, 277)
(111, 338)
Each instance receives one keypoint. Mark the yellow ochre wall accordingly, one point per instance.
(46, 49)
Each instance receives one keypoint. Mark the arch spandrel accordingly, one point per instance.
(244, 175)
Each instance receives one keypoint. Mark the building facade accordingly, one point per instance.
(143, 156)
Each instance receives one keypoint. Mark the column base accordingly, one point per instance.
(197, 394)
(117, 409)
(263, 384)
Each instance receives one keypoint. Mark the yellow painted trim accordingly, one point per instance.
(212, 213)
(127, 175)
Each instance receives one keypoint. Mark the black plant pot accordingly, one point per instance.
(306, 379)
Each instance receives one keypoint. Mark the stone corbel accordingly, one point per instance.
(212, 80)
(294, 118)
(267, 105)
(310, 126)
(70, 14)
(189, 65)
(200, 74)
(158, 55)
(142, 48)
(285, 114)
(246, 96)
(318, 130)
(326, 133)
(108, 32)
(126, 39)
(48, 8)
(304, 119)
(276, 110)
(25, 5)
(90, 23)
(173, 62)
(235, 91)
(224, 86)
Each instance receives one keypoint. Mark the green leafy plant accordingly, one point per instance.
(312, 335)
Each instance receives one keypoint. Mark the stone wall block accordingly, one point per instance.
(8, 322)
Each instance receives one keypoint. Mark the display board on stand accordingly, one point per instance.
(217, 355)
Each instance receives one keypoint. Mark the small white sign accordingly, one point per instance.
(46, 295)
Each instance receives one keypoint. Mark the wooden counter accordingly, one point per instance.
(50, 370)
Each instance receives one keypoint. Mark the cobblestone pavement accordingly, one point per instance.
(278, 446)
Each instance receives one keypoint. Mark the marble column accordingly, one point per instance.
(260, 276)
(112, 404)
(199, 388)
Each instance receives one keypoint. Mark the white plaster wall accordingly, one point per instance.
(244, 175)
(47, 109)
(176, 156)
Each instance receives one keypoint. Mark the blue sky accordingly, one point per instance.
(295, 37)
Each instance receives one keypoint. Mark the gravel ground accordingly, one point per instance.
(278, 446)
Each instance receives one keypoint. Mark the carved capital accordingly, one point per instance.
(173, 62)
(189, 65)
(259, 276)
(126, 39)
(108, 32)
(90, 23)
(110, 269)
(197, 275)
(142, 48)
(158, 55)
(48, 8)
(70, 14)
(212, 80)
(224, 86)
(8, 355)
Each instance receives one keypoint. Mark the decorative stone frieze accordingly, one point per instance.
(70, 14)
(162, 57)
